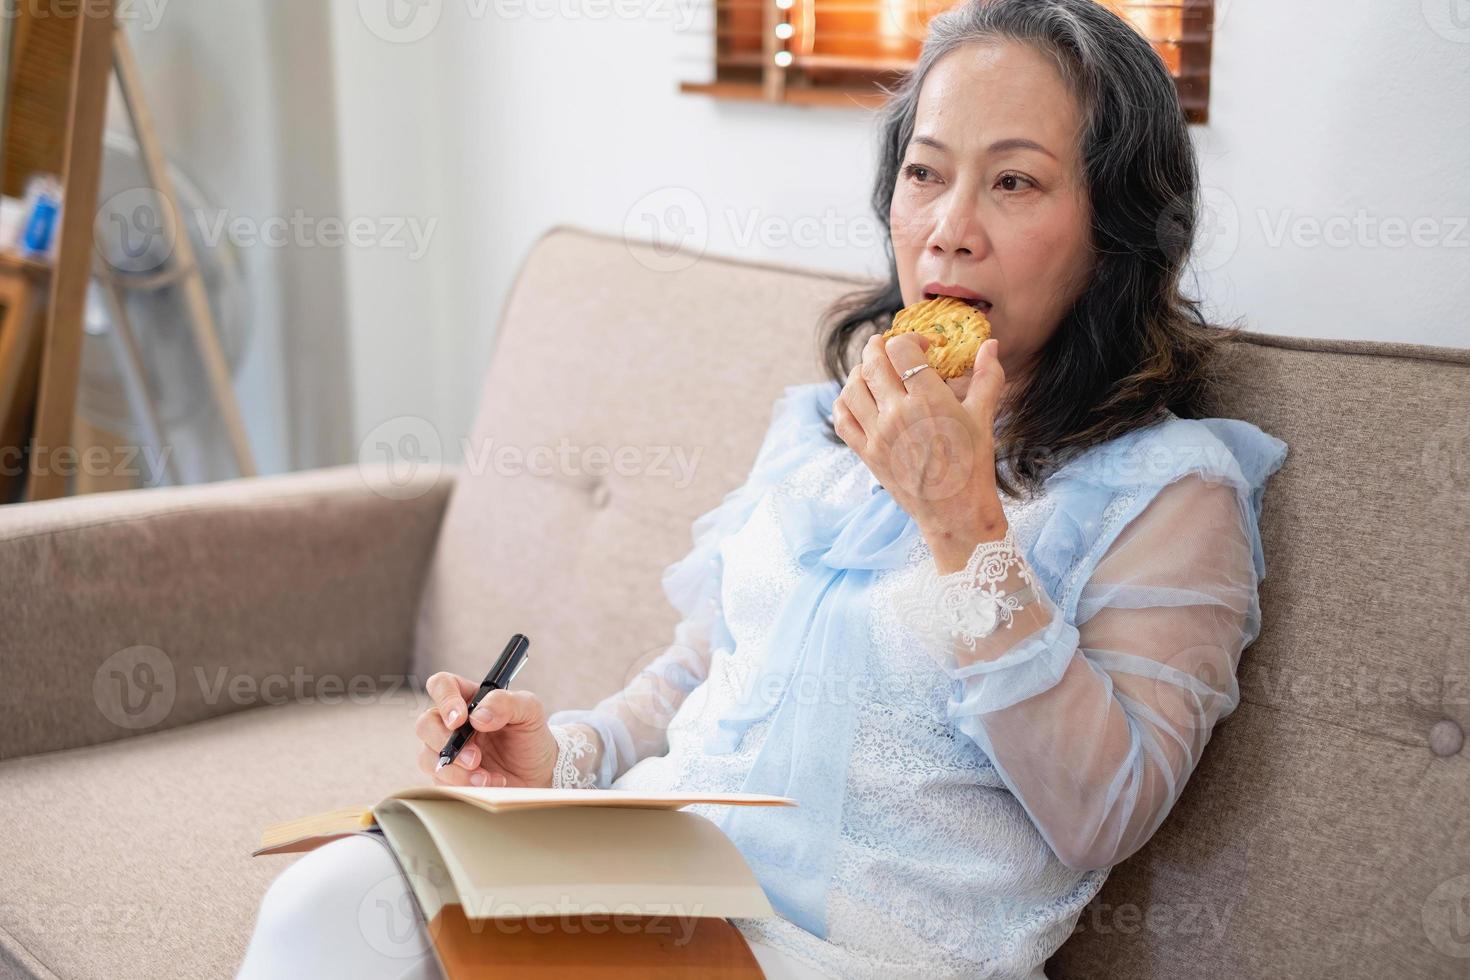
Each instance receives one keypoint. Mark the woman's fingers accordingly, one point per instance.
(878, 370)
(500, 709)
(449, 775)
(449, 692)
(907, 351)
(858, 400)
(455, 775)
(430, 727)
(987, 383)
(431, 731)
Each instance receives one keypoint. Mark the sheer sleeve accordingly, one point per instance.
(598, 745)
(1096, 727)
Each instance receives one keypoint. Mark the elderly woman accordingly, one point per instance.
(980, 628)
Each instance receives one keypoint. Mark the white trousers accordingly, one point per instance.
(345, 910)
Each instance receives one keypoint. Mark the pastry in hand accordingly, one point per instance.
(955, 328)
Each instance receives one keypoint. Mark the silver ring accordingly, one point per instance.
(913, 371)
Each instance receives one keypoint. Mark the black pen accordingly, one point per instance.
(512, 658)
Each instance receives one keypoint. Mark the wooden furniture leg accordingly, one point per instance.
(19, 365)
(61, 353)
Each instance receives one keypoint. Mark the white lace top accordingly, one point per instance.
(1015, 728)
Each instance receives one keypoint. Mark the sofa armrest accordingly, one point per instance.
(141, 610)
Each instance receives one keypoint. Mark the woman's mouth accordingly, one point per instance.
(983, 306)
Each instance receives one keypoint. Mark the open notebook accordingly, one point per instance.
(558, 857)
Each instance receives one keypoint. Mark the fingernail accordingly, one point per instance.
(452, 720)
(477, 778)
(469, 758)
(482, 715)
(499, 780)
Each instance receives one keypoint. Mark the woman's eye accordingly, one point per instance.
(1014, 182)
(916, 171)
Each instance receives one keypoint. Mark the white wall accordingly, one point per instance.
(1336, 129)
(505, 124)
(408, 348)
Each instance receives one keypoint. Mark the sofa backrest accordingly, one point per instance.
(641, 395)
(1325, 831)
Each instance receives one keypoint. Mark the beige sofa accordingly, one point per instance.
(150, 638)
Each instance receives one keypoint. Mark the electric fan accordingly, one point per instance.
(142, 377)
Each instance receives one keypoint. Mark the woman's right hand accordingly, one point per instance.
(512, 744)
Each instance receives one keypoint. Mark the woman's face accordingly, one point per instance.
(991, 199)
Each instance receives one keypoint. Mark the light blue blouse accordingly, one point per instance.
(961, 796)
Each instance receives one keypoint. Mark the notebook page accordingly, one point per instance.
(590, 860)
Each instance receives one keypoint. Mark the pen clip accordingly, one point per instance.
(514, 670)
(510, 661)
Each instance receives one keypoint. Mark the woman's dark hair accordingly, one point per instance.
(1132, 347)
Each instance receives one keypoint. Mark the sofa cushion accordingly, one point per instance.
(131, 859)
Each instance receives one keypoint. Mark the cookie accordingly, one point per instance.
(956, 328)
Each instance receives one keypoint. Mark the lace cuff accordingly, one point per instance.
(959, 610)
(572, 746)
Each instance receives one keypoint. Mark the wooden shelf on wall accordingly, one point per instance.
(837, 52)
(755, 92)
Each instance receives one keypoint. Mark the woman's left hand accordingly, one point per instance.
(932, 450)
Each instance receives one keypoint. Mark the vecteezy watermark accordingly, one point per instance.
(390, 919)
(830, 229)
(668, 229)
(1343, 691)
(401, 21)
(96, 921)
(1155, 919)
(568, 916)
(139, 687)
(247, 690)
(142, 15)
(1446, 917)
(70, 461)
(136, 230)
(407, 21)
(569, 459)
(301, 230)
(936, 457)
(1445, 459)
(402, 458)
(1362, 229)
(135, 688)
(1450, 19)
(1216, 232)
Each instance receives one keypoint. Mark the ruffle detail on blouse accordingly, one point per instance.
(692, 584)
(1098, 492)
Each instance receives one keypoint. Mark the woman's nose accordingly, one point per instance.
(958, 231)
